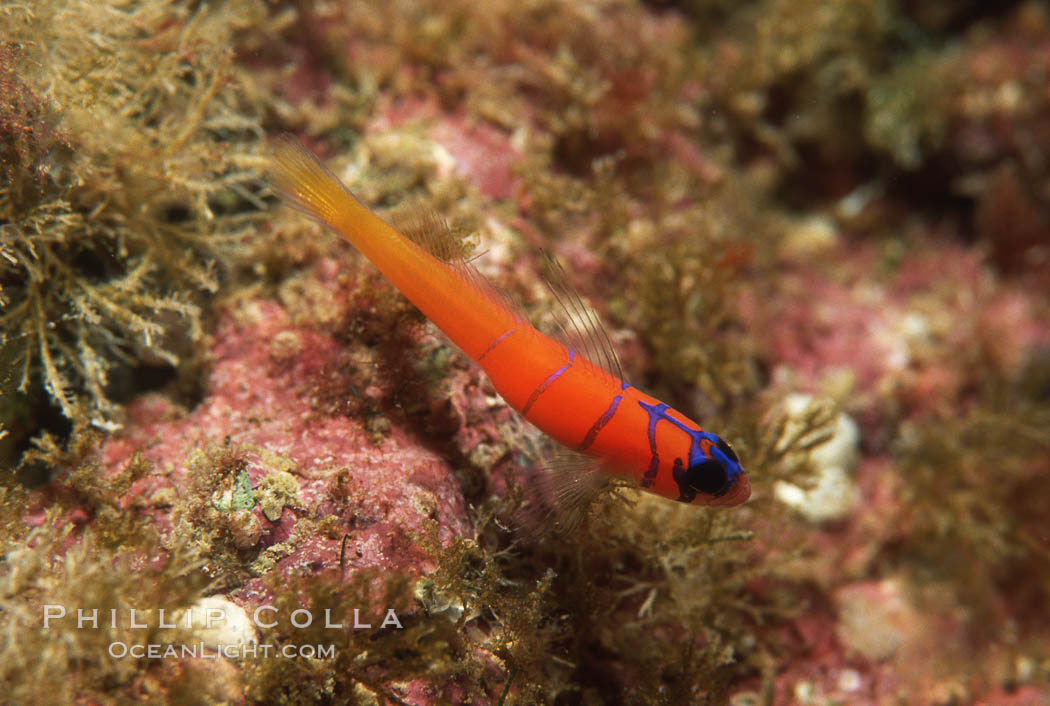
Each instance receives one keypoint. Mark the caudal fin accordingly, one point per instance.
(306, 183)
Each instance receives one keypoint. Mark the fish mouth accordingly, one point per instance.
(738, 492)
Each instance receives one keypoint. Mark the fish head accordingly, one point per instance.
(714, 475)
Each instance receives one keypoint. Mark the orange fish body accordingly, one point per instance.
(581, 405)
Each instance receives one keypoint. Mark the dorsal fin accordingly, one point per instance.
(429, 230)
(576, 324)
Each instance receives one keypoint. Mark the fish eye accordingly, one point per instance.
(708, 477)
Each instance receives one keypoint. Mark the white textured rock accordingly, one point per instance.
(811, 236)
(876, 620)
(217, 621)
(833, 495)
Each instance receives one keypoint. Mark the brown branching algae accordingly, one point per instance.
(821, 227)
(127, 178)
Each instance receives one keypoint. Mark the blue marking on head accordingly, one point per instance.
(713, 467)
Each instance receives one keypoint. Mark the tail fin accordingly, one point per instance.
(306, 183)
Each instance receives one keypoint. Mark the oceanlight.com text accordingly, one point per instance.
(123, 650)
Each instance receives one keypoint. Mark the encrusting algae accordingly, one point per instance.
(207, 401)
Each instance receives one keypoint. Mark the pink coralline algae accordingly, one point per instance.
(269, 395)
(891, 333)
(483, 155)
